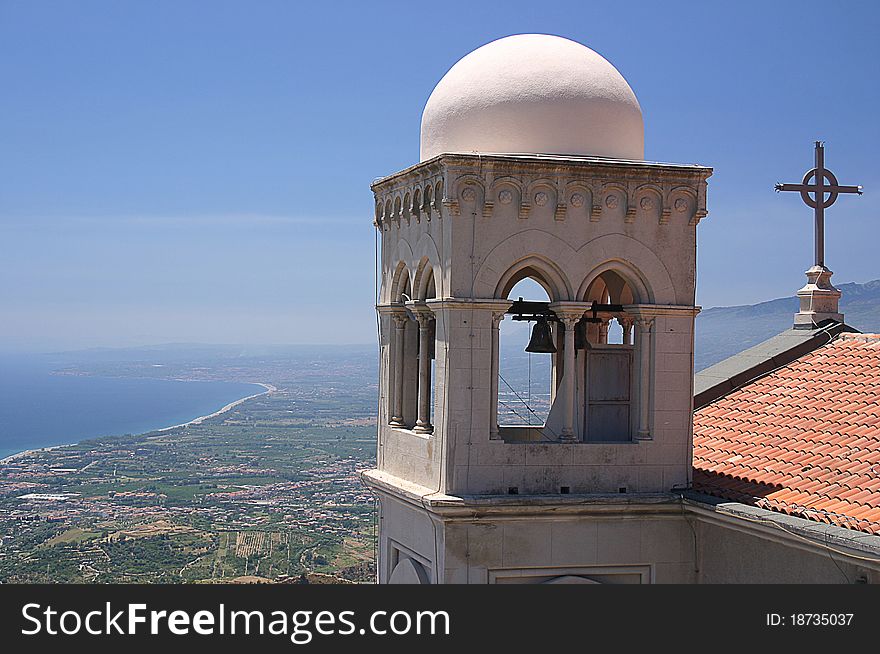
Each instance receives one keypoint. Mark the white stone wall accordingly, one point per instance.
(408, 531)
(734, 556)
(608, 550)
(628, 543)
(622, 543)
(571, 221)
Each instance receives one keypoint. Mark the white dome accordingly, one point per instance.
(535, 94)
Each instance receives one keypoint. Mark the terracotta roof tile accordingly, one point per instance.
(803, 439)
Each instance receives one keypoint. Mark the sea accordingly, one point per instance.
(41, 409)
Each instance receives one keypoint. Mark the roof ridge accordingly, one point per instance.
(852, 336)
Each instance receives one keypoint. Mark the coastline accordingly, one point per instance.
(195, 421)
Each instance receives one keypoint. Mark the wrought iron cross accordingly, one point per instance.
(820, 182)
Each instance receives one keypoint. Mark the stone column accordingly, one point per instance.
(568, 426)
(423, 424)
(644, 324)
(568, 313)
(555, 363)
(396, 372)
(626, 323)
(497, 317)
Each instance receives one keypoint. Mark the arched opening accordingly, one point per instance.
(537, 281)
(402, 290)
(617, 282)
(411, 366)
(403, 364)
(423, 285)
(606, 381)
(610, 288)
(585, 378)
(525, 392)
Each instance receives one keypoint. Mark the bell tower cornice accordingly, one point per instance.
(643, 190)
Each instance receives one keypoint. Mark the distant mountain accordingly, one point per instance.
(724, 331)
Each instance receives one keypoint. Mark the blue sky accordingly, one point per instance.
(199, 171)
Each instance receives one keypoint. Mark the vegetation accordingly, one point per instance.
(269, 490)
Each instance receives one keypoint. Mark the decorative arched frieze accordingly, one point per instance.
(614, 201)
(470, 193)
(407, 207)
(541, 196)
(578, 201)
(398, 209)
(505, 197)
(559, 211)
(648, 202)
(428, 201)
(416, 205)
(682, 203)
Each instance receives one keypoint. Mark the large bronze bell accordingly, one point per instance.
(581, 342)
(541, 341)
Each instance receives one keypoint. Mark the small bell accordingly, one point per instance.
(580, 336)
(541, 341)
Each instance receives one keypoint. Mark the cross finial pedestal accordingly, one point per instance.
(819, 300)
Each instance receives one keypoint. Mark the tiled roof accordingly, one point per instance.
(804, 439)
(725, 376)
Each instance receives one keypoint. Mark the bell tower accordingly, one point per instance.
(550, 187)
